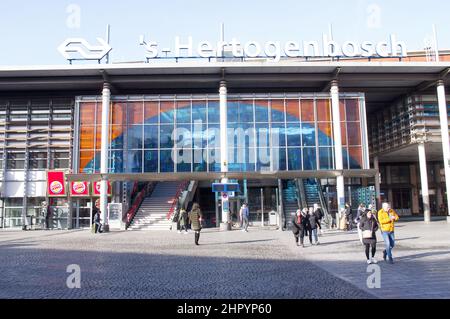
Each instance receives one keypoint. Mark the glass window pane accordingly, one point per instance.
(309, 159)
(87, 137)
(355, 156)
(326, 157)
(277, 110)
(245, 114)
(279, 158)
(183, 111)
(277, 134)
(343, 133)
(151, 161)
(151, 111)
(292, 110)
(184, 160)
(116, 137)
(166, 161)
(307, 109)
(134, 161)
(135, 112)
(199, 111)
(324, 134)
(118, 113)
(354, 133)
(323, 110)
(134, 134)
(86, 161)
(295, 159)
(342, 110)
(308, 134)
(150, 136)
(166, 140)
(167, 112)
(261, 111)
(213, 112)
(293, 134)
(116, 162)
(352, 110)
(87, 113)
(232, 111)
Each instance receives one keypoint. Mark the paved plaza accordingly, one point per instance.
(262, 263)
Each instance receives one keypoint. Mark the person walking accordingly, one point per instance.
(313, 226)
(368, 226)
(244, 214)
(195, 217)
(319, 215)
(183, 217)
(97, 222)
(333, 214)
(387, 218)
(359, 214)
(348, 216)
(300, 227)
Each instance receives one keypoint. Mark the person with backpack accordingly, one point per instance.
(369, 225)
(195, 217)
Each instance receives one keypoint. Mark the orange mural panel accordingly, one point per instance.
(87, 137)
(151, 110)
(278, 105)
(352, 110)
(87, 113)
(323, 110)
(342, 110)
(325, 128)
(85, 158)
(307, 109)
(356, 154)
(167, 106)
(118, 113)
(292, 108)
(343, 133)
(135, 112)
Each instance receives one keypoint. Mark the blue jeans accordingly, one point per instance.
(389, 242)
(314, 233)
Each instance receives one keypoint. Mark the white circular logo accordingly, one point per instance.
(97, 187)
(56, 187)
(79, 187)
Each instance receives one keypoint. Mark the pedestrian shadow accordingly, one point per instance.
(423, 255)
(239, 242)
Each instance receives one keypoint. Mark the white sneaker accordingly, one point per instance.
(374, 261)
(179, 232)
(369, 261)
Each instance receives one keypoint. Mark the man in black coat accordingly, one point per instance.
(301, 227)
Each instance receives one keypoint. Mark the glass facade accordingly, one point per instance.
(150, 134)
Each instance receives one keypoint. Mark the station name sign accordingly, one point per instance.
(275, 50)
(80, 49)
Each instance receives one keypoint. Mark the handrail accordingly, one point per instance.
(180, 189)
(137, 203)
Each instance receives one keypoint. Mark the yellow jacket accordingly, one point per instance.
(387, 225)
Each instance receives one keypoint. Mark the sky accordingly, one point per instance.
(31, 31)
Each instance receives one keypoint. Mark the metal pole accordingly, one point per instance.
(262, 208)
(108, 35)
(106, 98)
(424, 182)
(436, 49)
(225, 225)
(337, 143)
(443, 119)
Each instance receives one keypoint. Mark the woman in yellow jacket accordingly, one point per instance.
(387, 217)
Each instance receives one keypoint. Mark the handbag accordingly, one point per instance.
(367, 234)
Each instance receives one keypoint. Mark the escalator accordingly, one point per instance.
(290, 201)
(310, 190)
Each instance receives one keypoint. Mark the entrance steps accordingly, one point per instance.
(152, 215)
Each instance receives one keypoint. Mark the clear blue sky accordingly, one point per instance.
(30, 31)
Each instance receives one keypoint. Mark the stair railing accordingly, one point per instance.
(176, 198)
(137, 203)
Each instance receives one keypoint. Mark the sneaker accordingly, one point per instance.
(384, 255)
(179, 232)
(317, 243)
(186, 233)
(391, 261)
(374, 261)
(369, 261)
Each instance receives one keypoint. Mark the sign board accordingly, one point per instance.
(79, 189)
(96, 189)
(225, 187)
(56, 184)
(115, 215)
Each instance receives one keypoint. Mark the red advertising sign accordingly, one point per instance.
(56, 184)
(96, 189)
(79, 189)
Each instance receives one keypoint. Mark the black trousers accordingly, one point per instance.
(374, 249)
(197, 237)
(301, 234)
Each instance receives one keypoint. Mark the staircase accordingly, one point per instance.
(290, 202)
(152, 215)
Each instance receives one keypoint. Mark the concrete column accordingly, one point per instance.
(337, 143)
(415, 196)
(225, 225)
(376, 165)
(106, 101)
(443, 119)
(390, 197)
(424, 182)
